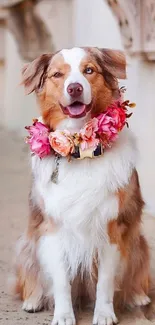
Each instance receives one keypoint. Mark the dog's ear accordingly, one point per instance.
(34, 73)
(114, 62)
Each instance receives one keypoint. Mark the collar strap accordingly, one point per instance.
(89, 153)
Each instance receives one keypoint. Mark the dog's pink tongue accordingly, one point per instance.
(76, 109)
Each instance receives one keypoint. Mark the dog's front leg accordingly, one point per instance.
(54, 268)
(104, 310)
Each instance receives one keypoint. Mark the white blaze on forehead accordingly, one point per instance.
(74, 57)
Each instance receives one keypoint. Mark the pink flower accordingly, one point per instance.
(38, 139)
(61, 142)
(106, 127)
(118, 115)
(88, 135)
(111, 122)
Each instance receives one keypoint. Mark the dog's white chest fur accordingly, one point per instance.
(85, 197)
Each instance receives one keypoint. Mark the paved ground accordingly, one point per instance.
(14, 183)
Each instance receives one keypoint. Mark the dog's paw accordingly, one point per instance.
(106, 316)
(140, 300)
(64, 319)
(31, 305)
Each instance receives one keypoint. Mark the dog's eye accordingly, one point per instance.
(88, 70)
(57, 75)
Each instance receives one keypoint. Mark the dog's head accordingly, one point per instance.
(73, 82)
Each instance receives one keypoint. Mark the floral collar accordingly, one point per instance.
(97, 134)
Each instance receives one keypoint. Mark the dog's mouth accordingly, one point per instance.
(76, 110)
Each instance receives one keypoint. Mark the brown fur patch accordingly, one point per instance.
(34, 73)
(126, 233)
(36, 218)
(46, 228)
(53, 93)
(102, 94)
(111, 65)
(114, 62)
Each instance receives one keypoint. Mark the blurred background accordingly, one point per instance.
(31, 27)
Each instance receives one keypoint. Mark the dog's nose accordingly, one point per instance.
(75, 89)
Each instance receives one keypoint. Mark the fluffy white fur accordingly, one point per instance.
(109, 261)
(82, 203)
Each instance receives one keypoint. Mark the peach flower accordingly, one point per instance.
(88, 135)
(61, 142)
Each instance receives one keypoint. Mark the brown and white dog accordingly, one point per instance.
(85, 231)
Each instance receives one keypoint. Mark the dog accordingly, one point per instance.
(84, 234)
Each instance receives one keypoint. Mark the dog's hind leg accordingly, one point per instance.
(26, 280)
